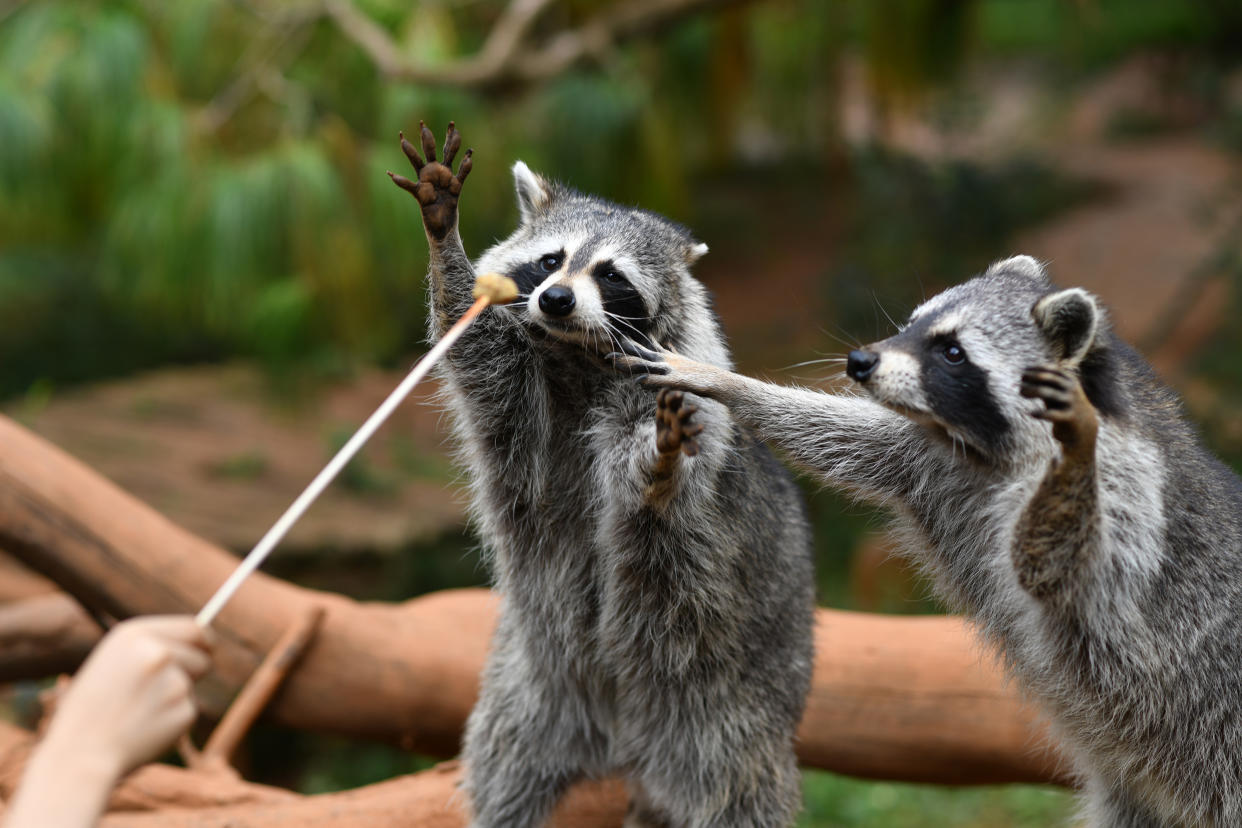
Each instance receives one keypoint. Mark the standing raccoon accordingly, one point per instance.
(653, 559)
(1102, 555)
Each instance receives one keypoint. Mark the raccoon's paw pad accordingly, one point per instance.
(1073, 418)
(674, 429)
(1056, 388)
(437, 187)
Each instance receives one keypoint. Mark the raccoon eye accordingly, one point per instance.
(612, 277)
(550, 263)
(954, 355)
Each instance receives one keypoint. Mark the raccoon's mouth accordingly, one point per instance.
(916, 414)
(575, 333)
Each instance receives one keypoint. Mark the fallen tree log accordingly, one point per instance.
(893, 698)
(163, 796)
(44, 635)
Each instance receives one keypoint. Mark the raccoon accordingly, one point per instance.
(1101, 555)
(652, 557)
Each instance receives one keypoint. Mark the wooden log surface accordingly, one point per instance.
(157, 795)
(44, 635)
(894, 698)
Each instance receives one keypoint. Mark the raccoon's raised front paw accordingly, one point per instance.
(437, 188)
(1065, 405)
(674, 431)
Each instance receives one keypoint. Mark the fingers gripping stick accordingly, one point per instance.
(488, 289)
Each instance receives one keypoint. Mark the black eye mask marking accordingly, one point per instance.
(627, 312)
(530, 275)
(957, 390)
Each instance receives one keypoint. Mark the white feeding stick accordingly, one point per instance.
(488, 289)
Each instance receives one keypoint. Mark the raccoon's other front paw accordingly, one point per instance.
(1065, 405)
(437, 188)
(665, 369)
(674, 431)
(636, 361)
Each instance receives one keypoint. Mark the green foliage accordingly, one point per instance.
(1097, 33)
(913, 228)
(839, 802)
(205, 179)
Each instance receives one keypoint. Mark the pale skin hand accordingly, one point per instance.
(128, 703)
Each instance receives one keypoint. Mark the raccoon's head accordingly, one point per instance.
(957, 363)
(589, 271)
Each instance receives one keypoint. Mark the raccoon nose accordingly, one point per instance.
(557, 300)
(861, 364)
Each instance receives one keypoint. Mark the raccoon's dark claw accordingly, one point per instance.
(429, 141)
(648, 353)
(452, 143)
(636, 366)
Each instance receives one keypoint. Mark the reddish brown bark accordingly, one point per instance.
(160, 795)
(44, 635)
(897, 698)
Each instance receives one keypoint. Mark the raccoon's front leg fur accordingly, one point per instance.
(1060, 525)
(850, 440)
(437, 191)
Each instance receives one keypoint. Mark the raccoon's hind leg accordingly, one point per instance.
(437, 191)
(526, 740)
(1061, 523)
(641, 813)
(1110, 808)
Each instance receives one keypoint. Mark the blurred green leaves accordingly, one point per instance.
(205, 179)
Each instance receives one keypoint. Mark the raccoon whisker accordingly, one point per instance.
(837, 359)
(613, 337)
(850, 343)
(884, 311)
(627, 318)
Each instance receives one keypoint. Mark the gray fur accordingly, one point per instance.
(1110, 576)
(662, 633)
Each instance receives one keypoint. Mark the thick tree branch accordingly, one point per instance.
(895, 698)
(167, 797)
(511, 54)
(44, 635)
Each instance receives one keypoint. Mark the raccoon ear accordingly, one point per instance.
(694, 252)
(533, 192)
(1069, 319)
(1027, 266)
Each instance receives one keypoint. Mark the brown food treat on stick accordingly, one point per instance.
(499, 290)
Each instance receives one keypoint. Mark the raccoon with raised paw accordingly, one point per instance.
(652, 557)
(1103, 554)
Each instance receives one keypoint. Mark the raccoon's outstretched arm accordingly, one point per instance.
(1061, 525)
(850, 441)
(437, 191)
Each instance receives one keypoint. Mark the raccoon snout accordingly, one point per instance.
(557, 300)
(861, 364)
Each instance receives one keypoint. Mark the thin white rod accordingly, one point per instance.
(278, 531)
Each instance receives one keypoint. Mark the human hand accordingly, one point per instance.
(134, 695)
(130, 700)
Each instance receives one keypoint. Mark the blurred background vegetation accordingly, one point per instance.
(196, 189)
